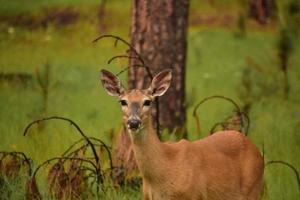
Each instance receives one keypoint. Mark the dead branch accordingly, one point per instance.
(213, 129)
(121, 56)
(21, 156)
(126, 68)
(102, 144)
(287, 165)
(131, 48)
(32, 191)
(237, 110)
(64, 158)
(72, 123)
(97, 170)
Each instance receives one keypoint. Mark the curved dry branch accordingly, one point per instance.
(126, 68)
(72, 146)
(248, 122)
(117, 39)
(98, 172)
(106, 148)
(242, 116)
(77, 150)
(195, 114)
(131, 48)
(212, 130)
(287, 165)
(263, 151)
(122, 56)
(20, 155)
(102, 144)
(88, 169)
(81, 140)
(72, 123)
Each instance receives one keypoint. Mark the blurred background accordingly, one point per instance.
(247, 50)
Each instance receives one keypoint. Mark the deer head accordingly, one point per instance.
(136, 103)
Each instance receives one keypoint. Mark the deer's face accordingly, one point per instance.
(136, 108)
(136, 104)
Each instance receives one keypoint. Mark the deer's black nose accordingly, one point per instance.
(133, 123)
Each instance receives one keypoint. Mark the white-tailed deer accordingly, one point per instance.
(225, 165)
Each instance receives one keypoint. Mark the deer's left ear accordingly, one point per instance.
(111, 83)
(160, 83)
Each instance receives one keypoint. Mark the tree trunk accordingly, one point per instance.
(101, 15)
(159, 34)
(262, 10)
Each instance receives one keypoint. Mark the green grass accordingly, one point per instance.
(19, 6)
(216, 60)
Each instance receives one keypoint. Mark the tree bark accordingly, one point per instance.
(262, 10)
(101, 15)
(159, 34)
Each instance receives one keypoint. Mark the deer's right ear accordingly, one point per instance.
(111, 83)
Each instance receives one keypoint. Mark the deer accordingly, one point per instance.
(222, 166)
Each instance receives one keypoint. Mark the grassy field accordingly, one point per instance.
(218, 62)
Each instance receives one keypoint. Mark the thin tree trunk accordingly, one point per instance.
(262, 10)
(101, 15)
(286, 85)
(284, 58)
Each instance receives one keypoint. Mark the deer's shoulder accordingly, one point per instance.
(228, 142)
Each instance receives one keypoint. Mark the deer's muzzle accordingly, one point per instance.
(134, 124)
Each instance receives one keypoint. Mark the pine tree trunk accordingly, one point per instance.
(262, 10)
(159, 34)
(102, 15)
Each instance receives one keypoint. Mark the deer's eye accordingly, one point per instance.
(123, 103)
(147, 103)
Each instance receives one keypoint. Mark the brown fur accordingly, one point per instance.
(223, 166)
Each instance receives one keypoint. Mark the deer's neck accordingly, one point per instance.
(148, 152)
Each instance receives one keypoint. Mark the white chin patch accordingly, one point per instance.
(133, 129)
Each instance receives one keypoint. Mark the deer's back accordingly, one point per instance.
(225, 165)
